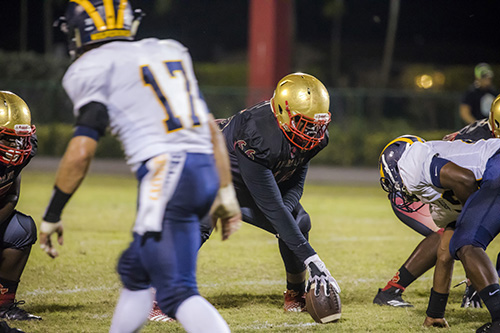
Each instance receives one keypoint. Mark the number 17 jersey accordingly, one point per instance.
(151, 94)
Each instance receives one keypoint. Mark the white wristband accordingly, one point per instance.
(49, 227)
(227, 193)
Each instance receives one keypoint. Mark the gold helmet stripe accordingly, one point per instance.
(402, 138)
(92, 12)
(120, 14)
(110, 13)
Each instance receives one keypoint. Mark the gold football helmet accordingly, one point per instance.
(15, 129)
(494, 120)
(301, 103)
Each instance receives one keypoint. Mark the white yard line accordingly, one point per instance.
(117, 286)
(265, 325)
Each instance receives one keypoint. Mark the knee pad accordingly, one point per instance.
(133, 275)
(169, 299)
(20, 232)
(460, 239)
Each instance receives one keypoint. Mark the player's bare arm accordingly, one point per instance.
(226, 205)
(72, 170)
(75, 163)
(460, 180)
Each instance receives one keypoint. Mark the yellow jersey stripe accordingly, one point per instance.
(92, 12)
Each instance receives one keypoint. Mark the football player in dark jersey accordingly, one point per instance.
(270, 145)
(424, 256)
(17, 231)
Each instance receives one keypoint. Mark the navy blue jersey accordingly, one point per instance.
(255, 132)
(476, 131)
(269, 173)
(8, 174)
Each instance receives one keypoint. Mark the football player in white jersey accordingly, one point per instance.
(147, 93)
(419, 219)
(428, 171)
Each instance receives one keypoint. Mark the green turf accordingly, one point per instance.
(354, 231)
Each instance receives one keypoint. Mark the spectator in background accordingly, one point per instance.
(477, 100)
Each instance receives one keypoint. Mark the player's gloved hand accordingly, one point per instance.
(320, 276)
(227, 209)
(471, 298)
(435, 322)
(46, 231)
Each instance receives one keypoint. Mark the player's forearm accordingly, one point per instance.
(71, 172)
(75, 163)
(460, 180)
(220, 154)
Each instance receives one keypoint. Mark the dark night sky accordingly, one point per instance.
(432, 31)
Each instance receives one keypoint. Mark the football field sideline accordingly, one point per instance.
(316, 174)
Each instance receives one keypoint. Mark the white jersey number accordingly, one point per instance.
(172, 121)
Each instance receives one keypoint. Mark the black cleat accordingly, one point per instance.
(489, 328)
(391, 297)
(13, 312)
(4, 328)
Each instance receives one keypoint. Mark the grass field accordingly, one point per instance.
(354, 232)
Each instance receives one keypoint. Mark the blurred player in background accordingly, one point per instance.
(147, 92)
(423, 258)
(428, 171)
(18, 145)
(476, 101)
(270, 145)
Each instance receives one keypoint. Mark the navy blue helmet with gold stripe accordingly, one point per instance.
(88, 22)
(390, 179)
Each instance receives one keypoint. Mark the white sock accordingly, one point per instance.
(196, 314)
(132, 310)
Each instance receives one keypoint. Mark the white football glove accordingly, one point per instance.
(319, 276)
(46, 231)
(226, 204)
(227, 209)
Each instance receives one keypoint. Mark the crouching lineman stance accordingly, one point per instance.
(147, 92)
(270, 145)
(429, 171)
(418, 218)
(17, 231)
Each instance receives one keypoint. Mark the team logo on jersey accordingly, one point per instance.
(3, 290)
(249, 152)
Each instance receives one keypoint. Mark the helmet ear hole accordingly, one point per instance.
(280, 109)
